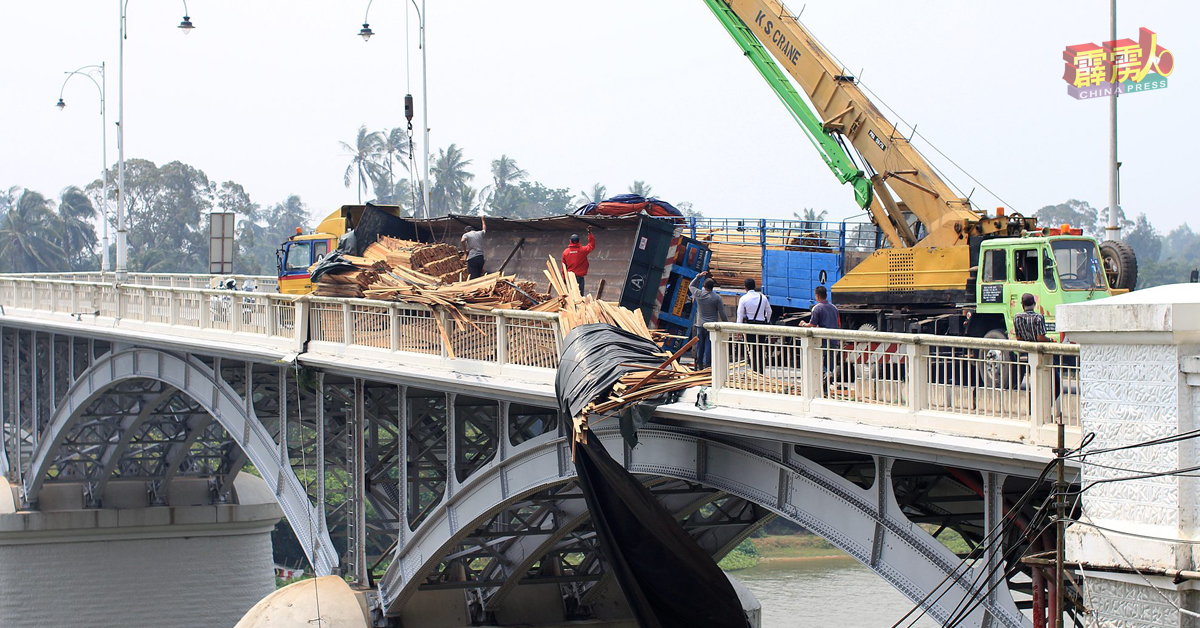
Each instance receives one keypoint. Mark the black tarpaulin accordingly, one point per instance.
(591, 362)
(667, 579)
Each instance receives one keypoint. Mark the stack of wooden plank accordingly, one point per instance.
(731, 264)
(350, 283)
(575, 309)
(437, 260)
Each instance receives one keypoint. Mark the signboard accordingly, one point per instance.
(991, 293)
(222, 227)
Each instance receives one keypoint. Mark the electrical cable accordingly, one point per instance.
(1135, 535)
(307, 483)
(1013, 512)
(1180, 610)
(1128, 470)
(1165, 440)
(960, 613)
(863, 85)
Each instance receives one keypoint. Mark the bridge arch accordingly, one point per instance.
(161, 377)
(866, 523)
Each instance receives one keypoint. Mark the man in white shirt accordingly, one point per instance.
(754, 309)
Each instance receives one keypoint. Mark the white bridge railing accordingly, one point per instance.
(264, 283)
(999, 389)
(994, 389)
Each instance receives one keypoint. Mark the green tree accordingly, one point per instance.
(688, 210)
(597, 194)
(535, 200)
(29, 235)
(396, 148)
(76, 234)
(450, 176)
(365, 154)
(503, 196)
(811, 215)
(641, 188)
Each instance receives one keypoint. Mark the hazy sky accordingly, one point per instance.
(582, 92)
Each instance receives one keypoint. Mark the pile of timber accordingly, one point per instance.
(438, 260)
(575, 309)
(737, 255)
(646, 383)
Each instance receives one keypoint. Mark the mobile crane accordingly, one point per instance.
(931, 277)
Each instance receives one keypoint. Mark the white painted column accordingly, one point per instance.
(1136, 351)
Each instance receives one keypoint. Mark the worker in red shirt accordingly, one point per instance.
(575, 257)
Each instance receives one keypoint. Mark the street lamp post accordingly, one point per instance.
(366, 34)
(89, 71)
(122, 240)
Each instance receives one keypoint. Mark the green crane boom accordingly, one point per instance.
(831, 151)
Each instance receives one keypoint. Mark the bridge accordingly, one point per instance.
(434, 472)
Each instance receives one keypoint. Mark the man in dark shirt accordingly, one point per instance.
(824, 314)
(1029, 325)
(710, 308)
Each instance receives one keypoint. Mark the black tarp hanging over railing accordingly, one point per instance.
(668, 580)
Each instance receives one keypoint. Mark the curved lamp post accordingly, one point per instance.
(122, 241)
(90, 71)
(366, 34)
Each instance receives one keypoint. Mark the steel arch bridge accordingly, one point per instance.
(415, 489)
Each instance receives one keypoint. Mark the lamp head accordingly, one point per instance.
(366, 32)
(61, 105)
(186, 25)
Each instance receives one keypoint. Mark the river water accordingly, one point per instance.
(825, 593)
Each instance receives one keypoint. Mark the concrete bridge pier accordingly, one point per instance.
(130, 564)
(1140, 357)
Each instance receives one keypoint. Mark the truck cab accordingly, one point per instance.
(1055, 269)
(295, 257)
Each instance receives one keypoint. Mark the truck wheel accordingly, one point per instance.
(996, 365)
(1120, 264)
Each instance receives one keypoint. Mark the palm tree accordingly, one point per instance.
(29, 236)
(598, 193)
(505, 171)
(450, 176)
(395, 142)
(641, 188)
(811, 215)
(364, 159)
(76, 233)
(466, 200)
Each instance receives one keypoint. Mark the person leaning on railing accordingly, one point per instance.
(826, 316)
(1030, 326)
(709, 309)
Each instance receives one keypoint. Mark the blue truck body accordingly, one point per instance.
(796, 255)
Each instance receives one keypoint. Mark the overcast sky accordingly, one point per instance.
(583, 92)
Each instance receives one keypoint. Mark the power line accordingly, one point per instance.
(1135, 535)
(1165, 440)
(1130, 564)
(995, 534)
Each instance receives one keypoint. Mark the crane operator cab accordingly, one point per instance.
(1065, 267)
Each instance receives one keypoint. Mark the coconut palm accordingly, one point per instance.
(397, 146)
(29, 236)
(598, 193)
(450, 176)
(641, 188)
(364, 159)
(76, 233)
(505, 172)
(811, 215)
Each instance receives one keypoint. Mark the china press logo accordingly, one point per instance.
(1124, 66)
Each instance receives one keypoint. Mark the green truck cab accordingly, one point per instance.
(1055, 269)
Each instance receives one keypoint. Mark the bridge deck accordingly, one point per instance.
(942, 398)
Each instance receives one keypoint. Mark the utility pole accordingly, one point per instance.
(1060, 507)
(1113, 231)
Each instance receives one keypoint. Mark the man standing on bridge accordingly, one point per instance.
(754, 309)
(575, 257)
(472, 245)
(1030, 325)
(826, 316)
(709, 309)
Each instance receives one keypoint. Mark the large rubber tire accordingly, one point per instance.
(1120, 264)
(996, 366)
